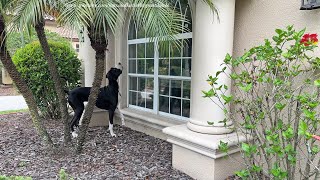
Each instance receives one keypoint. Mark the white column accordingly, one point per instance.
(88, 56)
(212, 41)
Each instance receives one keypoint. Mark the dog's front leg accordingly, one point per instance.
(121, 116)
(111, 113)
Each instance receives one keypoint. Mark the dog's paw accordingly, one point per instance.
(74, 134)
(113, 135)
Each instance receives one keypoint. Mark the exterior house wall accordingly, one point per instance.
(256, 20)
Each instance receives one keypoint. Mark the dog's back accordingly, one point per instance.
(80, 94)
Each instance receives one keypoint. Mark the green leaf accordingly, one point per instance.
(315, 149)
(288, 134)
(245, 147)
(246, 88)
(302, 128)
(317, 82)
(208, 94)
(228, 59)
(223, 147)
(279, 31)
(210, 123)
(227, 99)
(280, 106)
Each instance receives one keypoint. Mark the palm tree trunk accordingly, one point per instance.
(22, 86)
(56, 79)
(100, 66)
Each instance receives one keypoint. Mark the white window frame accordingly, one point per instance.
(156, 76)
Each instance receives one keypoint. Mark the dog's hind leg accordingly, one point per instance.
(111, 113)
(76, 118)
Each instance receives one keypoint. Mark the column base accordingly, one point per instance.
(205, 128)
(198, 156)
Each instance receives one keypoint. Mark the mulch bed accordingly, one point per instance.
(8, 90)
(131, 155)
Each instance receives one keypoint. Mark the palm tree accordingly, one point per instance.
(15, 75)
(31, 13)
(100, 17)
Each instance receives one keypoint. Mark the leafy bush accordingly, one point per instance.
(33, 67)
(275, 106)
(17, 40)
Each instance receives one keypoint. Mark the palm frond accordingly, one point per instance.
(161, 23)
(213, 8)
(76, 14)
(107, 16)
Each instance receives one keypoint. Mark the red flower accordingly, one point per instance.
(309, 39)
(316, 137)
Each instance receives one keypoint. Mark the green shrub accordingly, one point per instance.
(33, 67)
(275, 104)
(17, 40)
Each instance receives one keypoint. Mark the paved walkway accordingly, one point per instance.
(12, 103)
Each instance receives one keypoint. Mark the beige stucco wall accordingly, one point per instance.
(256, 20)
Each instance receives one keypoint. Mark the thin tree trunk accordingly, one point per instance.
(56, 79)
(22, 86)
(100, 66)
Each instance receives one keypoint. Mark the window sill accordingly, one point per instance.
(149, 119)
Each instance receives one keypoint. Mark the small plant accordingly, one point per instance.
(275, 105)
(32, 65)
(63, 175)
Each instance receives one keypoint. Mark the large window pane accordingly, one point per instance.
(164, 104)
(133, 98)
(150, 66)
(141, 50)
(175, 50)
(175, 88)
(149, 85)
(133, 66)
(163, 67)
(186, 67)
(133, 83)
(150, 50)
(186, 89)
(141, 99)
(141, 66)
(187, 48)
(149, 101)
(164, 87)
(141, 84)
(186, 108)
(132, 51)
(175, 67)
(175, 106)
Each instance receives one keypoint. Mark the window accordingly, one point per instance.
(160, 81)
(77, 47)
(310, 4)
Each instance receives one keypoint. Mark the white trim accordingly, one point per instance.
(148, 40)
(156, 78)
(174, 77)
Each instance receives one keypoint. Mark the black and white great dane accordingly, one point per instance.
(107, 99)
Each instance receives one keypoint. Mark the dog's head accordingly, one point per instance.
(114, 72)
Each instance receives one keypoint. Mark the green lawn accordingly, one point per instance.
(13, 111)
